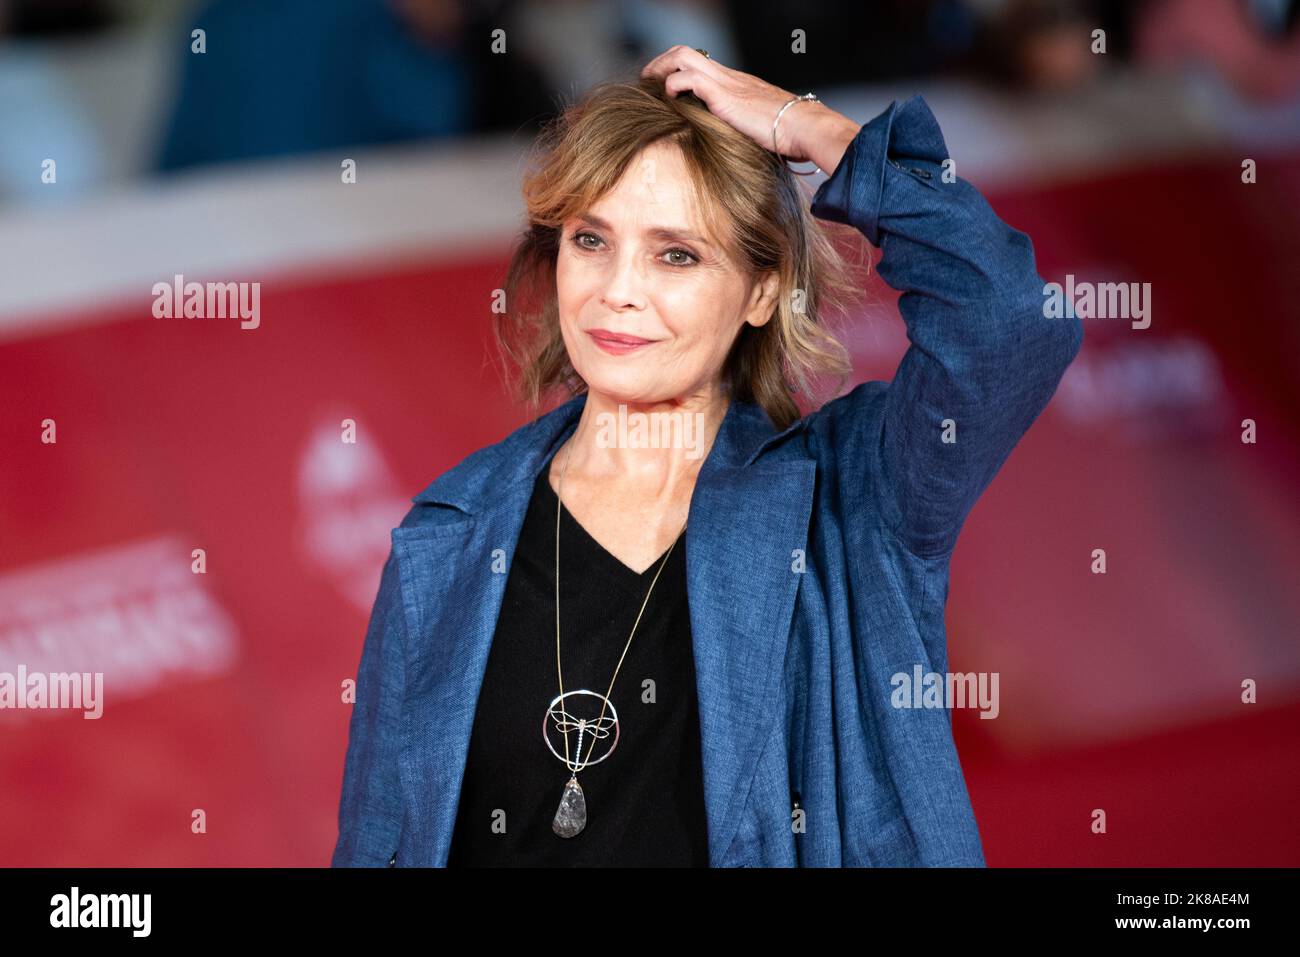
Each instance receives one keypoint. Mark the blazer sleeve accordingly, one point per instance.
(370, 809)
(981, 351)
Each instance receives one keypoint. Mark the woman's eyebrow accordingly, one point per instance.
(654, 232)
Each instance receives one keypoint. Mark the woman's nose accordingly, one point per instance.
(625, 286)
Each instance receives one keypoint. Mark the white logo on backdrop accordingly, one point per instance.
(134, 612)
(349, 502)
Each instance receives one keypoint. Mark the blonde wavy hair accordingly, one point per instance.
(747, 196)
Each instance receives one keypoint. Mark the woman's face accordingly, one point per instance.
(649, 306)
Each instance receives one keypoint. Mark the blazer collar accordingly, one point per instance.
(746, 430)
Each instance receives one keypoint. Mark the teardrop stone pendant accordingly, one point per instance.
(571, 816)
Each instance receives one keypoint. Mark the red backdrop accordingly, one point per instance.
(223, 691)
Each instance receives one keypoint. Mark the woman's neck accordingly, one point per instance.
(654, 445)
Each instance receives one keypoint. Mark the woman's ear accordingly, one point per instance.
(762, 298)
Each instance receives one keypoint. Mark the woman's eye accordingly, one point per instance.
(579, 237)
(690, 257)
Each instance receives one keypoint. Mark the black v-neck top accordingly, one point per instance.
(645, 802)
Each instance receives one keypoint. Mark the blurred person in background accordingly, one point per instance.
(41, 117)
(1254, 45)
(1019, 44)
(296, 76)
(578, 42)
(850, 41)
(1047, 45)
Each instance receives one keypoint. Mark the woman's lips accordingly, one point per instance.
(616, 343)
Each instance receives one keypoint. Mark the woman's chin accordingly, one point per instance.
(624, 387)
(618, 395)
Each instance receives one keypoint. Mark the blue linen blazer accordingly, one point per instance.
(817, 562)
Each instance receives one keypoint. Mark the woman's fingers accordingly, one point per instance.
(739, 99)
(705, 87)
(679, 57)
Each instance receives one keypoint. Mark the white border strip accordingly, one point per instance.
(250, 221)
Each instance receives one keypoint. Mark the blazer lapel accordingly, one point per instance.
(746, 527)
(746, 537)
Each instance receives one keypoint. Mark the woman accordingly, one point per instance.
(719, 690)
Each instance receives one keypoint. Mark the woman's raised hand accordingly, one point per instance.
(808, 130)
